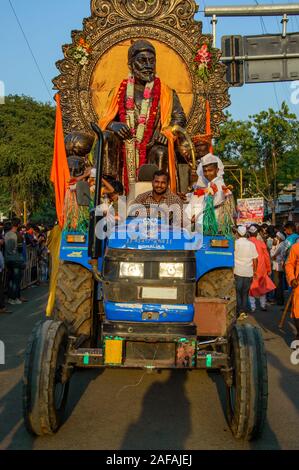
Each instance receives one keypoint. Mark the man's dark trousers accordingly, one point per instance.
(2, 304)
(278, 281)
(243, 286)
(15, 274)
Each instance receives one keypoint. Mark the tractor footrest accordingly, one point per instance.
(149, 332)
(86, 357)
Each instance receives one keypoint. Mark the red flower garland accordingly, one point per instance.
(122, 102)
(199, 192)
(122, 115)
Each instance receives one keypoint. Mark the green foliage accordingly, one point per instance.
(266, 147)
(45, 214)
(26, 150)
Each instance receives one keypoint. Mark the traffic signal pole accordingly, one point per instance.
(252, 10)
(263, 58)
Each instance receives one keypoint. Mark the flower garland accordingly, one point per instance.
(206, 59)
(81, 52)
(135, 149)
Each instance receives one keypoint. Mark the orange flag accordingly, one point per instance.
(60, 173)
(208, 123)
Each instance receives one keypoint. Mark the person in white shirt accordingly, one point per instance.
(245, 268)
(278, 254)
(210, 182)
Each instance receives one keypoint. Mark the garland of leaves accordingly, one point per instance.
(210, 225)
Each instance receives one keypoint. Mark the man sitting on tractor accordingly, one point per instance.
(159, 197)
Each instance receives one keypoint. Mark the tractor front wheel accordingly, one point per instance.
(46, 381)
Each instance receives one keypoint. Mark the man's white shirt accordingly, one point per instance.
(245, 253)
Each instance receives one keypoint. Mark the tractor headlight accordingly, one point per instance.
(171, 270)
(131, 270)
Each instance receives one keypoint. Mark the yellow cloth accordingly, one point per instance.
(53, 243)
(111, 109)
(166, 105)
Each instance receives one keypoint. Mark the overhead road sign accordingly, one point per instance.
(263, 66)
(252, 10)
(232, 47)
(265, 58)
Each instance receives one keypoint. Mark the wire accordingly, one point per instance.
(262, 21)
(30, 49)
(125, 387)
(285, 86)
(207, 21)
(295, 17)
(264, 31)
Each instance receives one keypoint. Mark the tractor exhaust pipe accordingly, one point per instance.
(95, 245)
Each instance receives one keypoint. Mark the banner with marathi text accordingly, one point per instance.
(250, 211)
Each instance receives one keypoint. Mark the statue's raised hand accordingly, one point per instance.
(121, 129)
(161, 139)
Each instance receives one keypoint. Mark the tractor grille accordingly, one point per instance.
(180, 291)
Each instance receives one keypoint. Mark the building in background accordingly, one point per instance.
(287, 204)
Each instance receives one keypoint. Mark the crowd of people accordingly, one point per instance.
(263, 266)
(17, 243)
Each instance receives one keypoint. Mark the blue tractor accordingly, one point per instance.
(138, 301)
(134, 300)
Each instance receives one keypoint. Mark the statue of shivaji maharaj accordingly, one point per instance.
(141, 114)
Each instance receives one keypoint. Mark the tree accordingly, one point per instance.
(267, 149)
(26, 150)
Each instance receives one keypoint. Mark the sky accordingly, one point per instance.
(47, 25)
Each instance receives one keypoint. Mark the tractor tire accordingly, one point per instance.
(220, 284)
(45, 388)
(74, 299)
(247, 394)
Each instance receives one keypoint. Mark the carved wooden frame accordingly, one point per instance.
(113, 21)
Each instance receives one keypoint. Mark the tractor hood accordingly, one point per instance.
(146, 234)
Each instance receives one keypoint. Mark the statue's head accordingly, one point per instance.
(142, 61)
(78, 143)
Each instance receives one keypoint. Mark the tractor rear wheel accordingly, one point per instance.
(247, 388)
(46, 380)
(219, 283)
(74, 298)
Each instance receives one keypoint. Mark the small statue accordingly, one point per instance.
(141, 115)
(78, 145)
(203, 145)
